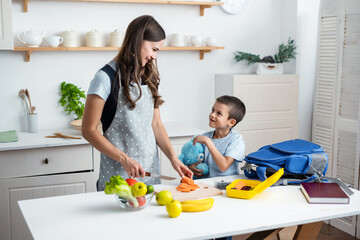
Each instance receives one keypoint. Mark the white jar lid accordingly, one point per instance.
(68, 31)
(93, 33)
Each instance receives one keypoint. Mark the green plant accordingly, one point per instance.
(71, 96)
(248, 57)
(285, 53)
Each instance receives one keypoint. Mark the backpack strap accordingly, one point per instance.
(110, 106)
(341, 184)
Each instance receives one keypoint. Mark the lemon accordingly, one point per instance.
(163, 197)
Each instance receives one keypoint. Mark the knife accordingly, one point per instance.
(149, 174)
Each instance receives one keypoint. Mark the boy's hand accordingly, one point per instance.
(197, 172)
(200, 139)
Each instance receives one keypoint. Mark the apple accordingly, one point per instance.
(174, 208)
(163, 197)
(138, 189)
(141, 201)
(131, 181)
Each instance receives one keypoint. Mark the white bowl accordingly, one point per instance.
(76, 124)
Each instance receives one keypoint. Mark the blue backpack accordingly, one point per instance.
(298, 157)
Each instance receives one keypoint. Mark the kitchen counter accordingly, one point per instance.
(37, 167)
(38, 140)
(97, 216)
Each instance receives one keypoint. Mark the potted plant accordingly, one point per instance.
(269, 64)
(72, 100)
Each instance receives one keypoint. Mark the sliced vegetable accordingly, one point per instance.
(187, 185)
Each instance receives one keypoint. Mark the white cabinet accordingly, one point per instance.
(12, 224)
(178, 135)
(40, 172)
(6, 33)
(271, 106)
(165, 165)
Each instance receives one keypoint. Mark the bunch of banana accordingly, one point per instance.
(197, 205)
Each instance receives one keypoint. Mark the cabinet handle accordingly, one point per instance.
(45, 161)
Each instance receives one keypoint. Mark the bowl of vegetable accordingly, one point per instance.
(134, 203)
(129, 193)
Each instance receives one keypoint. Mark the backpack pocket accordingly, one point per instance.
(298, 164)
(296, 146)
(308, 164)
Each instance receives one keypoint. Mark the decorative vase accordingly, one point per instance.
(270, 68)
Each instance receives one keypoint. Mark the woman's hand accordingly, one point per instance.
(181, 168)
(132, 167)
(197, 172)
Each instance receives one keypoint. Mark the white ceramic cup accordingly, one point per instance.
(32, 120)
(54, 41)
(197, 40)
(211, 41)
(177, 40)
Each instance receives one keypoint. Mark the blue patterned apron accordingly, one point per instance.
(131, 132)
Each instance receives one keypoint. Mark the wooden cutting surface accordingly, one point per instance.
(203, 192)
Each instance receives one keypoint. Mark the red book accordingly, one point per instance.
(324, 193)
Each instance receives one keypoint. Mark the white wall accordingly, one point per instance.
(307, 35)
(187, 84)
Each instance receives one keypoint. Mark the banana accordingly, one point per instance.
(200, 201)
(197, 205)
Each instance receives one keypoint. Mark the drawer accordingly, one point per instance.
(43, 161)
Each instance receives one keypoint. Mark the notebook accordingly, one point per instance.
(324, 193)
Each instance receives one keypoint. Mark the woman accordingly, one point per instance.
(124, 96)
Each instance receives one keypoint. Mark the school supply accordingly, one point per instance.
(300, 159)
(295, 156)
(324, 193)
(254, 187)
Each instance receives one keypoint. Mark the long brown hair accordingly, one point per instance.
(128, 60)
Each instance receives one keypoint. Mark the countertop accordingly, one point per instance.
(97, 216)
(38, 140)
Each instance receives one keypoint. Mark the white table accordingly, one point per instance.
(97, 216)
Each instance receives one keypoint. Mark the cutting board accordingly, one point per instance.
(203, 192)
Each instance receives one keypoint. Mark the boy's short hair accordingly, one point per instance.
(237, 107)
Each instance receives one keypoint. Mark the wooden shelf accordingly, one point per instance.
(202, 5)
(29, 50)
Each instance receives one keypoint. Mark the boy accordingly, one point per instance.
(224, 147)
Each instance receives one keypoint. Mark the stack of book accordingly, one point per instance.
(324, 193)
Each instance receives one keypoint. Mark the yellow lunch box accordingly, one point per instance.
(256, 186)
